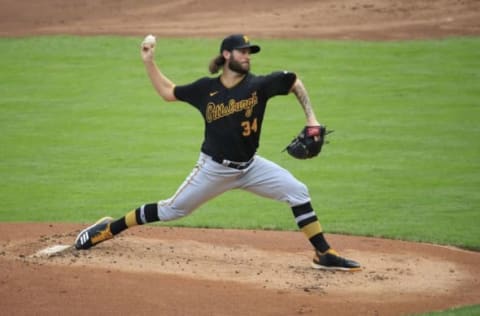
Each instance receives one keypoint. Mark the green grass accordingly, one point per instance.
(463, 311)
(83, 134)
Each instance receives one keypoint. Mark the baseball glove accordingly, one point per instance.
(308, 143)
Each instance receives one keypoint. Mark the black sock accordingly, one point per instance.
(308, 223)
(145, 214)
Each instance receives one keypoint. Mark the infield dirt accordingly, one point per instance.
(177, 271)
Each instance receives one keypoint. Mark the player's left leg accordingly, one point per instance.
(268, 179)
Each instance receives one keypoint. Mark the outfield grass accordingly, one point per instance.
(83, 134)
(463, 311)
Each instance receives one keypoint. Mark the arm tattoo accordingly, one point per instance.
(302, 97)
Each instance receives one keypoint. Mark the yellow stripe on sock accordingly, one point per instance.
(312, 229)
(131, 219)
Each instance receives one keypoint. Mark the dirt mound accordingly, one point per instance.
(194, 267)
(350, 19)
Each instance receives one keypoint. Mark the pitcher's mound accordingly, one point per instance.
(180, 271)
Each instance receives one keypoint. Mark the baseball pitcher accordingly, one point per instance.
(232, 106)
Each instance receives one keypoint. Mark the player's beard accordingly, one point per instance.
(238, 67)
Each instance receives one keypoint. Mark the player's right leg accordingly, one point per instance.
(92, 235)
(207, 180)
(106, 227)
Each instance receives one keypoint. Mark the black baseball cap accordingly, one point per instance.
(238, 41)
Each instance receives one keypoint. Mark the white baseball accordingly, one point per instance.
(150, 39)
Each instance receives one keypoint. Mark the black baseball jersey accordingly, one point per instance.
(233, 116)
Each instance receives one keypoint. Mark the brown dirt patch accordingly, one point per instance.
(170, 271)
(180, 271)
(348, 19)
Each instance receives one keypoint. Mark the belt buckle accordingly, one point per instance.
(226, 163)
(243, 165)
(235, 165)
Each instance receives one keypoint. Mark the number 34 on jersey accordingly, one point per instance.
(249, 127)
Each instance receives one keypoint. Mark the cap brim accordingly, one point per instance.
(253, 48)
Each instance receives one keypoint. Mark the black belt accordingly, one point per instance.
(233, 164)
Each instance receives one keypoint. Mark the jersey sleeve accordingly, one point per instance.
(279, 83)
(191, 93)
